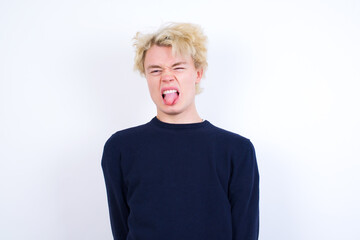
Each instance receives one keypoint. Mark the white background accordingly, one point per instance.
(283, 73)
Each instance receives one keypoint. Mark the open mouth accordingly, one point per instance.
(170, 97)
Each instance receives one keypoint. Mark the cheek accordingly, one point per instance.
(190, 80)
(153, 88)
(150, 83)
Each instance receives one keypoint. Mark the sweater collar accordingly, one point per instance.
(162, 124)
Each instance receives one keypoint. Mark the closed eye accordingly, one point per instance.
(155, 71)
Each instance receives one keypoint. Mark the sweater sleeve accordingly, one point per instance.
(244, 195)
(116, 190)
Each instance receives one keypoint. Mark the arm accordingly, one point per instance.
(244, 195)
(116, 190)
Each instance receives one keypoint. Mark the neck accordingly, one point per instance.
(184, 117)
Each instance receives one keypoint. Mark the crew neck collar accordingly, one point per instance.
(162, 124)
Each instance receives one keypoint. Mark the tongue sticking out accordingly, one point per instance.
(170, 98)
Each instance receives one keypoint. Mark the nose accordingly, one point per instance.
(167, 75)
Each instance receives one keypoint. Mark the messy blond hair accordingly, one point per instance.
(184, 38)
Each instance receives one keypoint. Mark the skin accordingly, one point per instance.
(162, 69)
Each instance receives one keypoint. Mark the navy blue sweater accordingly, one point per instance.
(191, 181)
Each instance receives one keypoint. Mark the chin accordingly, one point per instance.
(170, 110)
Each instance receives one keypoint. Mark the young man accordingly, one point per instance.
(179, 177)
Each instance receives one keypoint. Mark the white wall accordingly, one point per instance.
(283, 73)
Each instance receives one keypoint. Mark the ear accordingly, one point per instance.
(199, 74)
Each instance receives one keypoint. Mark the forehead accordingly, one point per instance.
(163, 56)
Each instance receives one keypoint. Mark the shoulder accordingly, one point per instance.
(125, 135)
(232, 139)
(240, 149)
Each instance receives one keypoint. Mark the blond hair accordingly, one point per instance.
(184, 38)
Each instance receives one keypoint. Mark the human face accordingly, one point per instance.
(164, 71)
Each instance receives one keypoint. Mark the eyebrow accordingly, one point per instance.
(174, 65)
(178, 63)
